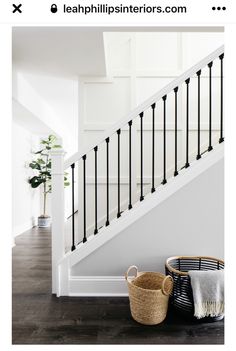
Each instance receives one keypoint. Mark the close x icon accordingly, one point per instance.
(17, 8)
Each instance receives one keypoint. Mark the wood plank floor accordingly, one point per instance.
(40, 318)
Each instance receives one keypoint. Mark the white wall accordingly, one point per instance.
(190, 222)
(46, 105)
(25, 200)
(138, 65)
(28, 202)
(53, 100)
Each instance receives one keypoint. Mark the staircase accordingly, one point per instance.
(70, 275)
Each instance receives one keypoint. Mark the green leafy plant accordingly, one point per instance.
(42, 166)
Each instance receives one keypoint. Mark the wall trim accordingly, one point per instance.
(97, 286)
(94, 127)
(126, 73)
(144, 105)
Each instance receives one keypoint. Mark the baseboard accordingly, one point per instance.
(97, 286)
(13, 242)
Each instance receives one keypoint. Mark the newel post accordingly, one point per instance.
(58, 215)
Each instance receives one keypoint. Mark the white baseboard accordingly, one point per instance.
(13, 242)
(97, 286)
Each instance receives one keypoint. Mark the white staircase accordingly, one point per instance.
(155, 227)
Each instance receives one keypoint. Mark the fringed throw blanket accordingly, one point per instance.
(208, 293)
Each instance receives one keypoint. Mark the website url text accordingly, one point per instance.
(109, 10)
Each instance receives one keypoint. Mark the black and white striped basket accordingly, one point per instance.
(177, 267)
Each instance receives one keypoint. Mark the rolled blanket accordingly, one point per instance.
(208, 293)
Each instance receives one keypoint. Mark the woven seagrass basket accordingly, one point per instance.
(182, 296)
(149, 295)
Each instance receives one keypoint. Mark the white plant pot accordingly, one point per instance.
(44, 221)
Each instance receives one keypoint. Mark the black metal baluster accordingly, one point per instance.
(176, 128)
(96, 190)
(210, 105)
(73, 206)
(107, 221)
(200, 264)
(153, 148)
(187, 121)
(199, 117)
(141, 156)
(221, 98)
(164, 139)
(84, 164)
(118, 171)
(130, 166)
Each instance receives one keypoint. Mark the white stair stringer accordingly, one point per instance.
(115, 285)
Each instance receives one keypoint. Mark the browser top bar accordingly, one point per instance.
(119, 12)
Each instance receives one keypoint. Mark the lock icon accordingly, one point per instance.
(53, 8)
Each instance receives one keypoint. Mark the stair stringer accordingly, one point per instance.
(117, 226)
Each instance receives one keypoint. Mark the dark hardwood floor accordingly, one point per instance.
(40, 318)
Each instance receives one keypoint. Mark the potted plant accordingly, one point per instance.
(42, 166)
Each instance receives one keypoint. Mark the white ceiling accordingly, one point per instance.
(60, 51)
(70, 51)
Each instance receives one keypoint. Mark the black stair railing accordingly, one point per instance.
(107, 142)
(130, 165)
(96, 189)
(199, 115)
(210, 106)
(153, 107)
(118, 175)
(164, 181)
(176, 131)
(73, 205)
(221, 98)
(84, 203)
(153, 148)
(187, 122)
(141, 156)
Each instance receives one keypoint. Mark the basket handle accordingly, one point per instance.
(129, 269)
(167, 285)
